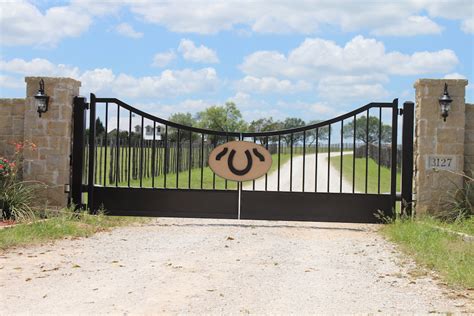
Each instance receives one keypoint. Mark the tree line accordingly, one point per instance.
(228, 118)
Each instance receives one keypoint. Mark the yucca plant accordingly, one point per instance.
(460, 202)
(17, 198)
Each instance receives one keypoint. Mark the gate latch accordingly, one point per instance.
(400, 111)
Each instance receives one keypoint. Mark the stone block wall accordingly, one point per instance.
(436, 138)
(12, 115)
(51, 133)
(469, 141)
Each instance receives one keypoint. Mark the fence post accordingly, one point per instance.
(77, 156)
(407, 158)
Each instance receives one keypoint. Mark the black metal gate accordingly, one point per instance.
(129, 162)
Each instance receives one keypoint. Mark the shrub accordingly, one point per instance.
(460, 202)
(17, 198)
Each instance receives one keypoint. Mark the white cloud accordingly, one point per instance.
(467, 26)
(413, 25)
(201, 54)
(163, 59)
(38, 66)
(454, 75)
(304, 17)
(23, 24)
(322, 109)
(168, 83)
(271, 85)
(127, 30)
(316, 58)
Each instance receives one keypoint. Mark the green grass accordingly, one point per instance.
(58, 227)
(372, 175)
(434, 249)
(208, 178)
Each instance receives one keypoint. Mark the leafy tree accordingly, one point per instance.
(322, 133)
(373, 132)
(185, 119)
(264, 125)
(292, 122)
(225, 118)
(99, 127)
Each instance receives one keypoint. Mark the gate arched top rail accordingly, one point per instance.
(246, 134)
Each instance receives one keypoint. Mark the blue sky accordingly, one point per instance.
(310, 59)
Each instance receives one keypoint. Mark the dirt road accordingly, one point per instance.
(220, 267)
(311, 171)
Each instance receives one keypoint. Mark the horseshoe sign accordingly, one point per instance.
(240, 161)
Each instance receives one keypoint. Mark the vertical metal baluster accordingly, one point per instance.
(96, 162)
(367, 153)
(329, 155)
(342, 147)
(253, 181)
(214, 175)
(291, 162)
(379, 149)
(100, 159)
(122, 158)
(202, 159)
(190, 158)
(316, 153)
(141, 153)
(153, 155)
(178, 143)
(266, 174)
(279, 151)
(129, 147)
(304, 156)
(117, 147)
(354, 154)
(227, 140)
(165, 169)
(105, 141)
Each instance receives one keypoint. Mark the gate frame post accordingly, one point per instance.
(90, 173)
(78, 146)
(407, 157)
(393, 167)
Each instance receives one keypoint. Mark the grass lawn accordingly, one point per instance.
(208, 178)
(438, 250)
(372, 175)
(58, 227)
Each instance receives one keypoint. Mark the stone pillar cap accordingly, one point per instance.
(418, 82)
(52, 79)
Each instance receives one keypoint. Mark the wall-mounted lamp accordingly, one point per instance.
(445, 102)
(41, 99)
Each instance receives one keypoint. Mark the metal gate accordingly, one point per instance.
(130, 162)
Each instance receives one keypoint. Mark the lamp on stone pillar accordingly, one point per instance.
(445, 102)
(41, 99)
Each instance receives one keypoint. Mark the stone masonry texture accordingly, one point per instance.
(435, 137)
(12, 115)
(469, 141)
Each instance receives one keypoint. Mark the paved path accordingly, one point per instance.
(311, 169)
(182, 266)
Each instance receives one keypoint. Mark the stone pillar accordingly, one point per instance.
(436, 140)
(52, 133)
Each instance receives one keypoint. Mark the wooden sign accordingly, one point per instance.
(240, 161)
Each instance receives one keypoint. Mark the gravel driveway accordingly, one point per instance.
(309, 179)
(220, 267)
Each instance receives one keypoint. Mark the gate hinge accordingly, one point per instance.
(400, 111)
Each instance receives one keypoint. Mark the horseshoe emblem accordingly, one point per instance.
(240, 161)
